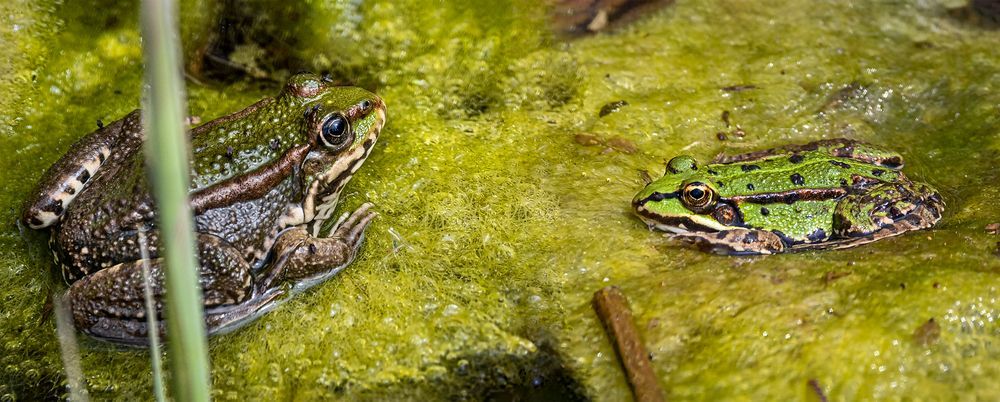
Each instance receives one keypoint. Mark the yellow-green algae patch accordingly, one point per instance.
(496, 226)
(27, 365)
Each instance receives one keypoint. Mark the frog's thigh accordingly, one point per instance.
(922, 215)
(110, 303)
(736, 241)
(67, 177)
(82, 253)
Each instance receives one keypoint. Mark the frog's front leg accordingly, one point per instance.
(110, 303)
(303, 260)
(736, 241)
(300, 261)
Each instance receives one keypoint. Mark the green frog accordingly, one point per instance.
(828, 194)
(263, 182)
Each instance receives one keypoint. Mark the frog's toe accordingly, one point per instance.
(304, 260)
(352, 228)
(340, 222)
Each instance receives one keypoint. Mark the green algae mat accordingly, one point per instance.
(503, 196)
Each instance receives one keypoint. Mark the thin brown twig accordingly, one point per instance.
(613, 310)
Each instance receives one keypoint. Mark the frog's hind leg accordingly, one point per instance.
(110, 304)
(886, 210)
(68, 176)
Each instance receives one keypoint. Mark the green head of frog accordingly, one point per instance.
(341, 125)
(684, 199)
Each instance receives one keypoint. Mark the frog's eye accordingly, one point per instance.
(335, 132)
(698, 196)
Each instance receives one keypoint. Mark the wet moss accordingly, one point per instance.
(496, 226)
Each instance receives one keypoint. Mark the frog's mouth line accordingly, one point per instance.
(673, 224)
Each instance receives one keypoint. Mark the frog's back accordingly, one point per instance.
(797, 173)
(836, 147)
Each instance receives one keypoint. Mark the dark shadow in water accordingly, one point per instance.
(502, 378)
(982, 13)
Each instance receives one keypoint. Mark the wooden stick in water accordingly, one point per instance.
(613, 310)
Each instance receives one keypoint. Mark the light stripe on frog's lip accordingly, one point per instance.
(50, 208)
(345, 172)
(674, 224)
(678, 224)
(317, 214)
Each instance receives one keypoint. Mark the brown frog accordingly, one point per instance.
(263, 182)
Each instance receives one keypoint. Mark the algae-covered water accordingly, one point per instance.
(499, 217)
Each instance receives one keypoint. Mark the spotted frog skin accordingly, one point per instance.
(828, 194)
(263, 182)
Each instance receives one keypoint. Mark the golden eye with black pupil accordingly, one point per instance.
(698, 196)
(335, 131)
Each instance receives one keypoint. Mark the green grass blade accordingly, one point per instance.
(168, 154)
(70, 351)
(151, 321)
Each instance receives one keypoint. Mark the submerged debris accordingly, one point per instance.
(581, 17)
(613, 144)
(612, 107)
(981, 13)
(831, 276)
(816, 389)
(737, 133)
(927, 334)
(645, 177)
(588, 139)
(613, 310)
(986, 8)
(622, 145)
(739, 88)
